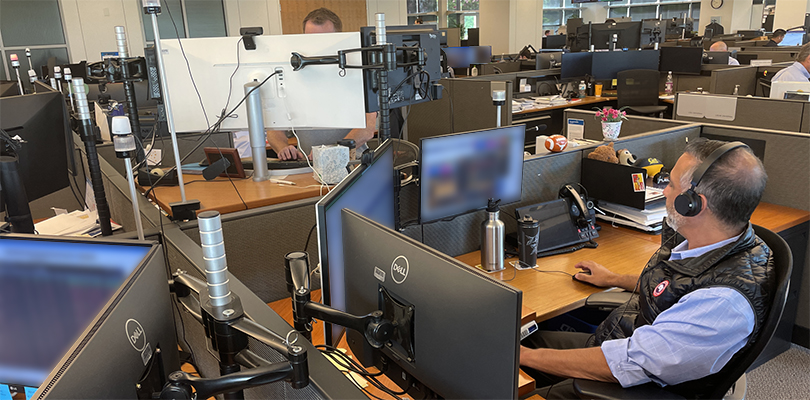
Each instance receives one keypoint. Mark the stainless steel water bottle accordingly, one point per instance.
(492, 231)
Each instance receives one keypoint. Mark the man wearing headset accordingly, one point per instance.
(699, 299)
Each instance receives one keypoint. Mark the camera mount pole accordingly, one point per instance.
(89, 138)
(184, 209)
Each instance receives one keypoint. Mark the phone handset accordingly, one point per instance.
(578, 210)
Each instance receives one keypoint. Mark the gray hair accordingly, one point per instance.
(804, 52)
(734, 184)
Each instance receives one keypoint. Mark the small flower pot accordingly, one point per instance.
(610, 130)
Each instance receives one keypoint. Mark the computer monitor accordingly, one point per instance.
(545, 59)
(417, 89)
(792, 38)
(464, 57)
(83, 318)
(41, 121)
(716, 57)
(368, 190)
(607, 64)
(779, 88)
(473, 37)
(461, 171)
(681, 60)
(314, 97)
(575, 65)
(554, 42)
(627, 35)
(462, 338)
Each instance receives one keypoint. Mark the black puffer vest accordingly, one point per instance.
(745, 266)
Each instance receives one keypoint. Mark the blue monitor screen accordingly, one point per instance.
(460, 172)
(792, 38)
(50, 291)
(368, 191)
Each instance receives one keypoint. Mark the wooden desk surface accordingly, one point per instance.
(220, 195)
(576, 102)
(623, 250)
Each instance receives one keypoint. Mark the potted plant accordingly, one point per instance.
(611, 119)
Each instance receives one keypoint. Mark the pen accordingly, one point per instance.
(281, 182)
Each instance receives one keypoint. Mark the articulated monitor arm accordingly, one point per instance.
(374, 327)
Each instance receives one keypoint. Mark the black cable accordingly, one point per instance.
(309, 236)
(358, 369)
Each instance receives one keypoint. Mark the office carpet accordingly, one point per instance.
(787, 376)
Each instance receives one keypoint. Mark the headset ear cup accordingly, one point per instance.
(688, 203)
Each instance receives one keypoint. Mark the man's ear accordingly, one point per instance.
(704, 204)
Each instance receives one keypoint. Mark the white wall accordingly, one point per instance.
(396, 11)
(734, 15)
(243, 13)
(495, 25)
(90, 27)
(790, 13)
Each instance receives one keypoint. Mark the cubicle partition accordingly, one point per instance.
(634, 125)
(750, 112)
(724, 81)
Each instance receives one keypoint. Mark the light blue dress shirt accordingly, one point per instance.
(694, 338)
(794, 73)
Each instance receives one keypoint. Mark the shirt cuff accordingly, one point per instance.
(625, 371)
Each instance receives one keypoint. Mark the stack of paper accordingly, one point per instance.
(649, 219)
(555, 100)
(76, 223)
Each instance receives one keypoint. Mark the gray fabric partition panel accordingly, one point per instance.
(666, 146)
(432, 118)
(256, 242)
(692, 82)
(786, 162)
(473, 108)
(542, 178)
(724, 81)
(634, 125)
(762, 113)
(806, 118)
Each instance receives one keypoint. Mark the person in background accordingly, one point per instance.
(721, 46)
(321, 20)
(799, 71)
(547, 32)
(776, 38)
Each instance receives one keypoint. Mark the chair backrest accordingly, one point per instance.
(782, 264)
(638, 87)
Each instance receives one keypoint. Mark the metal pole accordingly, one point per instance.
(168, 105)
(133, 194)
(256, 128)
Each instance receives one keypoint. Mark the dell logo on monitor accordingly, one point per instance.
(399, 269)
(136, 335)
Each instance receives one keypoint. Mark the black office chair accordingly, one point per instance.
(638, 91)
(730, 381)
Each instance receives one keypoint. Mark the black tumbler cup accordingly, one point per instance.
(528, 234)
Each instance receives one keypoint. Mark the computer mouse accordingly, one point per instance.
(584, 272)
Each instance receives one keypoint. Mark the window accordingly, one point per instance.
(30, 24)
(445, 13)
(193, 18)
(638, 10)
(557, 13)
(462, 14)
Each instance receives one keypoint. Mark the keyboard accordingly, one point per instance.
(248, 164)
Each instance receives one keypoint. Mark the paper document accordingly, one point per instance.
(576, 129)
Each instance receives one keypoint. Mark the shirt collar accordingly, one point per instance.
(802, 69)
(681, 252)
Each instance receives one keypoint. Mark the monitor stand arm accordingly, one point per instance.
(229, 330)
(374, 327)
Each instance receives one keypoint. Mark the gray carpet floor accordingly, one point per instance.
(787, 376)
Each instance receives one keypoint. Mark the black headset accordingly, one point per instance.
(689, 203)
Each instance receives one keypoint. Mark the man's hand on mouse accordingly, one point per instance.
(595, 274)
(290, 153)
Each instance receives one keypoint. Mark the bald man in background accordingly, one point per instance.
(721, 46)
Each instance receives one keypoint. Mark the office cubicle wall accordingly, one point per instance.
(634, 125)
(257, 240)
(724, 81)
(759, 112)
(542, 178)
(466, 105)
(499, 68)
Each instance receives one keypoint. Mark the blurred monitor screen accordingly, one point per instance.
(463, 57)
(460, 172)
(792, 38)
(681, 60)
(50, 291)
